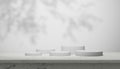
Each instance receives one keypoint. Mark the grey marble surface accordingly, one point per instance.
(23, 66)
(60, 66)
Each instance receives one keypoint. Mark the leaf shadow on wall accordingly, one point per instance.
(83, 21)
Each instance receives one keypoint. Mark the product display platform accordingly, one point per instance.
(108, 57)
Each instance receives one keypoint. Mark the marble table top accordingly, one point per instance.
(108, 57)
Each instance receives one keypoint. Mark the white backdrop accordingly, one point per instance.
(103, 35)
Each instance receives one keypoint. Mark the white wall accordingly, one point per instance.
(107, 35)
(104, 36)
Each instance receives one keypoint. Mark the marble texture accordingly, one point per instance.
(24, 66)
(59, 66)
